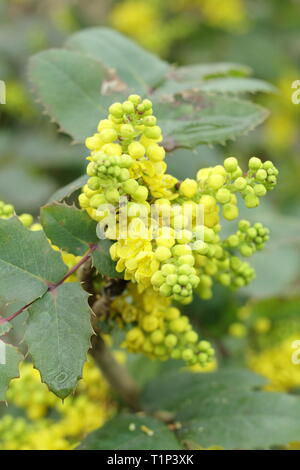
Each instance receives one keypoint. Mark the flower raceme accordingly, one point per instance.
(179, 250)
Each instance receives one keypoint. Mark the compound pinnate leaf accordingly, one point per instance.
(131, 432)
(139, 69)
(10, 358)
(69, 228)
(27, 264)
(208, 120)
(58, 336)
(69, 86)
(226, 409)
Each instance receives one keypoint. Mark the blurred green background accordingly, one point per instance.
(258, 325)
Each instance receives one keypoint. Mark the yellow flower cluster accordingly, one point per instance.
(166, 232)
(50, 424)
(157, 329)
(276, 364)
(156, 24)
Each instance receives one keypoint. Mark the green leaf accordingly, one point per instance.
(127, 432)
(230, 85)
(72, 230)
(10, 369)
(236, 85)
(210, 119)
(69, 189)
(139, 69)
(58, 336)
(224, 409)
(159, 394)
(69, 86)
(69, 228)
(27, 264)
(102, 260)
(207, 71)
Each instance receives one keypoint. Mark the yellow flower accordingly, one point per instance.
(276, 365)
(136, 257)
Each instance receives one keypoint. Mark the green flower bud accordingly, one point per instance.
(223, 195)
(149, 121)
(168, 269)
(127, 131)
(230, 211)
(233, 241)
(141, 194)
(191, 337)
(26, 219)
(255, 163)
(116, 110)
(251, 200)
(171, 341)
(215, 181)
(157, 337)
(128, 107)
(244, 225)
(108, 135)
(261, 175)
(147, 104)
(186, 259)
(230, 164)
(135, 99)
(171, 279)
(165, 290)
(112, 195)
(157, 279)
(97, 200)
(94, 183)
(130, 186)
(246, 250)
(153, 132)
(187, 355)
(240, 183)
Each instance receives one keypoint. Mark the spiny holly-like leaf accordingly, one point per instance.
(69, 189)
(69, 228)
(226, 409)
(69, 86)
(10, 358)
(225, 85)
(102, 260)
(27, 265)
(74, 231)
(137, 68)
(58, 336)
(209, 119)
(131, 432)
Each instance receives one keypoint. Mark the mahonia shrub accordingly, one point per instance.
(117, 258)
(165, 258)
